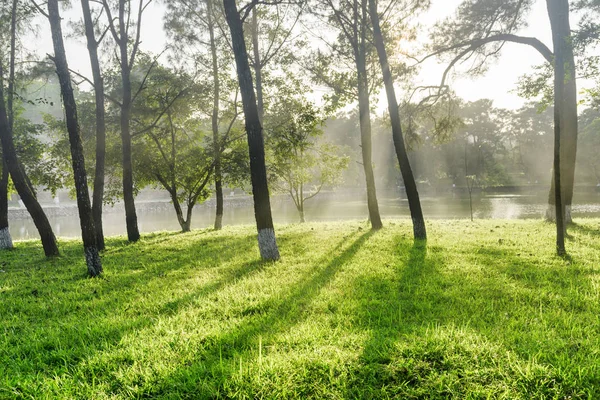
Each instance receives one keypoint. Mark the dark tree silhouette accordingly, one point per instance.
(88, 232)
(412, 194)
(254, 131)
(98, 195)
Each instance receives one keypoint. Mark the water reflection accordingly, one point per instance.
(157, 216)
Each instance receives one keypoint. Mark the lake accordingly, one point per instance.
(158, 214)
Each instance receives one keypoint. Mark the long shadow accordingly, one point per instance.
(501, 307)
(278, 314)
(98, 313)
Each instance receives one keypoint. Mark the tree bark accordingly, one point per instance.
(412, 193)
(98, 195)
(260, 190)
(567, 107)
(133, 233)
(364, 110)
(5, 237)
(558, 11)
(88, 231)
(257, 67)
(20, 180)
(215, 118)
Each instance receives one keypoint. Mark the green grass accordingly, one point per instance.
(485, 310)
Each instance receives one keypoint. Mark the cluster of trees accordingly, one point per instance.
(231, 105)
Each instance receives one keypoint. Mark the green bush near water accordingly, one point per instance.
(485, 310)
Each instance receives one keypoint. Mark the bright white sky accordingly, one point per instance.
(498, 84)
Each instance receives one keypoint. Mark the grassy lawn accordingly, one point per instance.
(484, 311)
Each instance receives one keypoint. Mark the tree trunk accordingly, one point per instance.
(364, 110)
(215, 118)
(20, 180)
(257, 67)
(564, 72)
(88, 232)
(133, 233)
(567, 107)
(98, 195)
(188, 222)
(412, 194)
(260, 190)
(5, 238)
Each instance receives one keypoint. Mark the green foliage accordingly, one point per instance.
(300, 164)
(346, 313)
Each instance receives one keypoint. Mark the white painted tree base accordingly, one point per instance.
(267, 245)
(5, 239)
(551, 213)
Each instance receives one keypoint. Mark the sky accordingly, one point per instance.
(499, 82)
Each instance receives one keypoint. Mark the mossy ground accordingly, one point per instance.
(485, 310)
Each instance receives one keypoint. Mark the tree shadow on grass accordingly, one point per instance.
(97, 313)
(261, 322)
(422, 326)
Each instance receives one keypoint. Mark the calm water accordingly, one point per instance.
(160, 216)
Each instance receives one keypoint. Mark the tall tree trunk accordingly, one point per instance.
(260, 190)
(364, 110)
(5, 238)
(21, 182)
(215, 117)
(257, 67)
(133, 233)
(564, 72)
(567, 107)
(412, 194)
(98, 195)
(88, 232)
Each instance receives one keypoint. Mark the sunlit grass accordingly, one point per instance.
(485, 310)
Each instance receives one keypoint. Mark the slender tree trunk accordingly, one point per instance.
(133, 233)
(5, 238)
(567, 107)
(88, 231)
(178, 210)
(188, 221)
(257, 67)
(215, 118)
(364, 110)
(412, 194)
(98, 195)
(558, 11)
(20, 180)
(260, 190)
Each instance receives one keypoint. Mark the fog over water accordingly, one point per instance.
(160, 216)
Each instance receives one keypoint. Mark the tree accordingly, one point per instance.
(350, 18)
(195, 28)
(254, 131)
(298, 158)
(175, 152)
(20, 180)
(564, 72)
(88, 231)
(128, 47)
(98, 196)
(480, 30)
(5, 238)
(412, 193)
